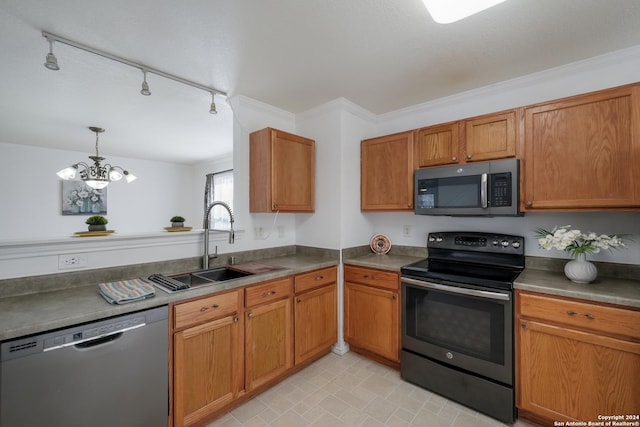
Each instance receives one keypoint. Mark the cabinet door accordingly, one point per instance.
(584, 151)
(371, 320)
(206, 361)
(490, 137)
(566, 374)
(268, 346)
(316, 322)
(386, 169)
(281, 172)
(438, 145)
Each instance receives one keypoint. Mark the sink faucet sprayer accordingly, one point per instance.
(232, 234)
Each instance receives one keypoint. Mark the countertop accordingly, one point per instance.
(35, 313)
(604, 289)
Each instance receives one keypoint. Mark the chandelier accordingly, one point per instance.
(97, 175)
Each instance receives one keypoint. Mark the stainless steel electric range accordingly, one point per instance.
(457, 319)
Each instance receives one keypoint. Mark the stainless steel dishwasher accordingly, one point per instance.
(109, 373)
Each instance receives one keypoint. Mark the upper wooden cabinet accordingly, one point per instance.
(583, 152)
(488, 137)
(438, 145)
(386, 173)
(281, 172)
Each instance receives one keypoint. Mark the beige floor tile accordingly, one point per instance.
(352, 391)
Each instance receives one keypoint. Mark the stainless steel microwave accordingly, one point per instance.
(474, 189)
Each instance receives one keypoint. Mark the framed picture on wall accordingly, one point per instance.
(80, 199)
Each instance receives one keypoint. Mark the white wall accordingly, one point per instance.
(31, 194)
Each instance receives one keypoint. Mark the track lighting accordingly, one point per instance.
(213, 110)
(96, 176)
(145, 86)
(52, 64)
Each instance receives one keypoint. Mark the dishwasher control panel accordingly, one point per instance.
(91, 333)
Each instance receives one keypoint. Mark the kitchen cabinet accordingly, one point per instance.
(371, 312)
(438, 145)
(386, 173)
(268, 332)
(207, 353)
(575, 359)
(583, 152)
(281, 172)
(488, 137)
(315, 314)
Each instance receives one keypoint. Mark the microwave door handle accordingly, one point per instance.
(483, 191)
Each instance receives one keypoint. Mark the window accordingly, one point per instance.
(219, 187)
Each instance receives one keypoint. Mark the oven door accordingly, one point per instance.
(470, 328)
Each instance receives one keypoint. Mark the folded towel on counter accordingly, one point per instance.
(126, 291)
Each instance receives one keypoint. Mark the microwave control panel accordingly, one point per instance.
(500, 189)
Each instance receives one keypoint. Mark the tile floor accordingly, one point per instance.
(350, 391)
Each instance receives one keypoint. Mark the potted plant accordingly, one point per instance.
(177, 221)
(97, 223)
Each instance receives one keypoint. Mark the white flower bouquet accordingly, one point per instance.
(576, 242)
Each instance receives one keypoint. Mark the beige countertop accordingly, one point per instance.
(38, 312)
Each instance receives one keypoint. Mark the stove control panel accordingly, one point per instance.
(476, 241)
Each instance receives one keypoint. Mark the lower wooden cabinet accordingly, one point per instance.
(206, 357)
(575, 360)
(315, 314)
(268, 332)
(372, 311)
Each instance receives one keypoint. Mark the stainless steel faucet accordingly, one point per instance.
(232, 234)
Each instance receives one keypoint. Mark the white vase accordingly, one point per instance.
(580, 270)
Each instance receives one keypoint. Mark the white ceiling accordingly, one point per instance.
(293, 54)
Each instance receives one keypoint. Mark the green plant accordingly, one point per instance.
(177, 218)
(96, 220)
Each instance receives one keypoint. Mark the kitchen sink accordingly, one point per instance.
(184, 281)
(220, 274)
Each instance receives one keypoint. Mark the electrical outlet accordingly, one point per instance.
(281, 231)
(258, 233)
(406, 231)
(71, 261)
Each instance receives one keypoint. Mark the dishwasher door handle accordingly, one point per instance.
(98, 339)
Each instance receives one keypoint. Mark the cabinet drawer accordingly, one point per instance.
(372, 277)
(270, 291)
(204, 309)
(314, 279)
(610, 320)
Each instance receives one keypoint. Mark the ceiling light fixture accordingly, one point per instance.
(96, 176)
(448, 11)
(145, 86)
(51, 62)
(53, 65)
(213, 110)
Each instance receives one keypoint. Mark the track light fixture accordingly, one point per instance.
(96, 176)
(213, 110)
(145, 86)
(52, 64)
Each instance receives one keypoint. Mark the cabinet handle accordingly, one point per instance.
(214, 306)
(589, 316)
(235, 319)
(275, 206)
(454, 159)
(523, 325)
(529, 203)
(394, 296)
(298, 300)
(266, 294)
(318, 278)
(571, 313)
(250, 315)
(468, 156)
(371, 277)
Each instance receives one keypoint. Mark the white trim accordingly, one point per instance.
(338, 104)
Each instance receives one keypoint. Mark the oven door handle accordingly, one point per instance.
(456, 290)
